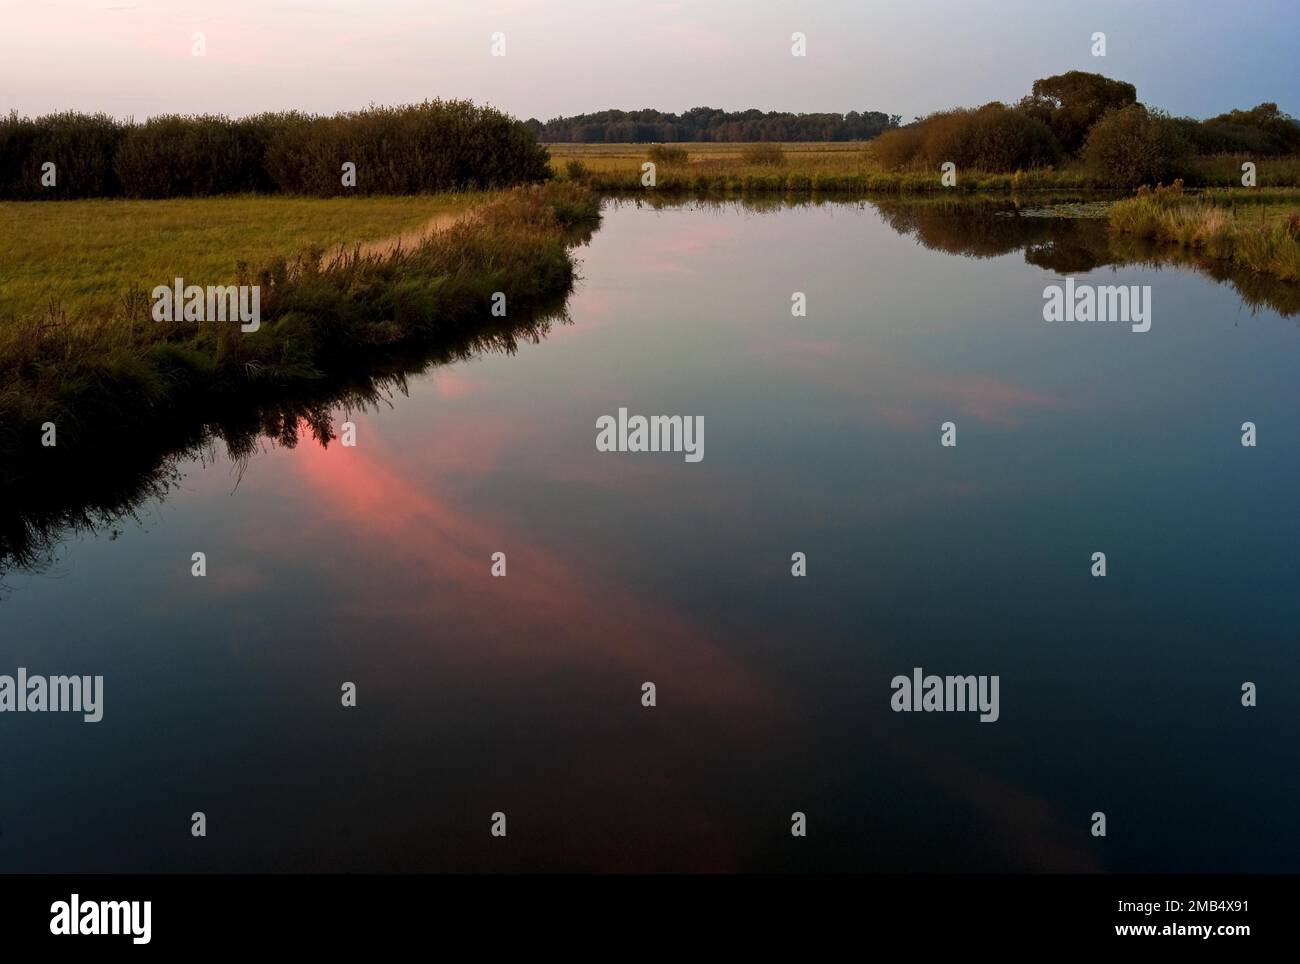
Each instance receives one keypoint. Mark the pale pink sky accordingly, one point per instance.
(132, 57)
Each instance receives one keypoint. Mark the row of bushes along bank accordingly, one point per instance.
(429, 147)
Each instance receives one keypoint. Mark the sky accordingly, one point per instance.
(134, 58)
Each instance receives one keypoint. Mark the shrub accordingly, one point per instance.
(1261, 130)
(763, 154)
(175, 156)
(576, 170)
(81, 146)
(992, 138)
(1134, 146)
(433, 146)
(668, 156)
(897, 148)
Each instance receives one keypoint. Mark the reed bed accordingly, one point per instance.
(1262, 239)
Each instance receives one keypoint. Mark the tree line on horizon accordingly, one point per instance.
(704, 124)
(1088, 118)
(1076, 118)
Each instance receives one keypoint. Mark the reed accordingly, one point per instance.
(1256, 238)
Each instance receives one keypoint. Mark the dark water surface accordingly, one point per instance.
(523, 695)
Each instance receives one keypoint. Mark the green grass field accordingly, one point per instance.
(83, 255)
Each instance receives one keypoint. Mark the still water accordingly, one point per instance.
(523, 694)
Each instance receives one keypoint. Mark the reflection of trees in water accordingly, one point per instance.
(973, 229)
(759, 202)
(987, 229)
(990, 228)
(64, 491)
(1255, 290)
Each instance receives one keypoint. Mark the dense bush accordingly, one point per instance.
(434, 146)
(81, 146)
(1134, 146)
(1057, 120)
(897, 148)
(1261, 130)
(174, 156)
(992, 138)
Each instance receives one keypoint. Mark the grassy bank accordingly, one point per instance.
(841, 167)
(98, 372)
(83, 255)
(1258, 230)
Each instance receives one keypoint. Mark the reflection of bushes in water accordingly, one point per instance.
(36, 516)
(762, 202)
(1258, 291)
(1066, 246)
(993, 227)
(1074, 247)
(986, 229)
(103, 483)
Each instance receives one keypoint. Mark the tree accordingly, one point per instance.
(1263, 129)
(1070, 103)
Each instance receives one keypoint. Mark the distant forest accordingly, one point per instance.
(711, 124)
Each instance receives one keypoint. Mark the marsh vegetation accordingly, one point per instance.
(99, 370)
(1261, 234)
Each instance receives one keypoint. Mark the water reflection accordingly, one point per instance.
(55, 494)
(63, 490)
(522, 694)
